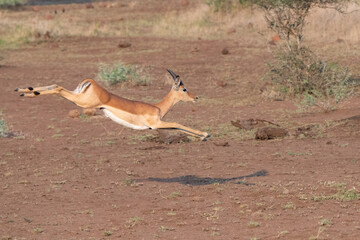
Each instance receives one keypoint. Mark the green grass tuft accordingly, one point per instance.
(342, 194)
(3, 127)
(11, 3)
(120, 73)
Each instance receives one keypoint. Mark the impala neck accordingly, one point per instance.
(167, 103)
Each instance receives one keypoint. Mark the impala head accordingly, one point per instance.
(182, 94)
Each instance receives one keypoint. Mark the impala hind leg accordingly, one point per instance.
(32, 92)
(181, 128)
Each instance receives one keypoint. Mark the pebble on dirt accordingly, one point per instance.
(221, 83)
(124, 45)
(74, 113)
(225, 51)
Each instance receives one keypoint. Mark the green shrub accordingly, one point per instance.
(11, 3)
(120, 73)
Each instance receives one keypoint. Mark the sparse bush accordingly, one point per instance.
(3, 127)
(221, 5)
(227, 5)
(299, 73)
(11, 3)
(120, 73)
(342, 194)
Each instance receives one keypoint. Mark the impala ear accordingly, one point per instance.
(177, 80)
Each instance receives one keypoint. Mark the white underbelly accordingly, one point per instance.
(123, 122)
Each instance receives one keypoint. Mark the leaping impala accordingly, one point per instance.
(132, 114)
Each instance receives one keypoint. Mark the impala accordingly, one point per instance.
(133, 114)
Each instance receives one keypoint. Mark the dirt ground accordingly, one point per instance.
(89, 178)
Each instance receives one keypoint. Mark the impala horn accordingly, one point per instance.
(175, 77)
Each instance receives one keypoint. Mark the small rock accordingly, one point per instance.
(74, 113)
(195, 49)
(124, 45)
(225, 51)
(221, 83)
(89, 6)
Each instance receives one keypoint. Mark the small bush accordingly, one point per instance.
(11, 3)
(227, 5)
(299, 73)
(342, 194)
(120, 73)
(3, 127)
(221, 5)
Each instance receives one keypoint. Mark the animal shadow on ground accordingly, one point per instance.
(198, 181)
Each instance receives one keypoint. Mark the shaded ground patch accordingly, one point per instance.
(198, 181)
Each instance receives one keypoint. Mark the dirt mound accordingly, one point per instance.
(270, 133)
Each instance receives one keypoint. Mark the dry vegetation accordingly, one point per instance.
(197, 21)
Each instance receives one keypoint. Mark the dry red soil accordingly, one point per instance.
(90, 178)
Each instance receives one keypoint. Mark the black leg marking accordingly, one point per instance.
(30, 88)
(21, 95)
(36, 93)
(16, 90)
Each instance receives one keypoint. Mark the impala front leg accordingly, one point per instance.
(179, 127)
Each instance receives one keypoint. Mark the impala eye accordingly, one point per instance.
(184, 90)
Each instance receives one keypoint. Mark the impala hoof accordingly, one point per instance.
(36, 93)
(21, 95)
(206, 135)
(16, 90)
